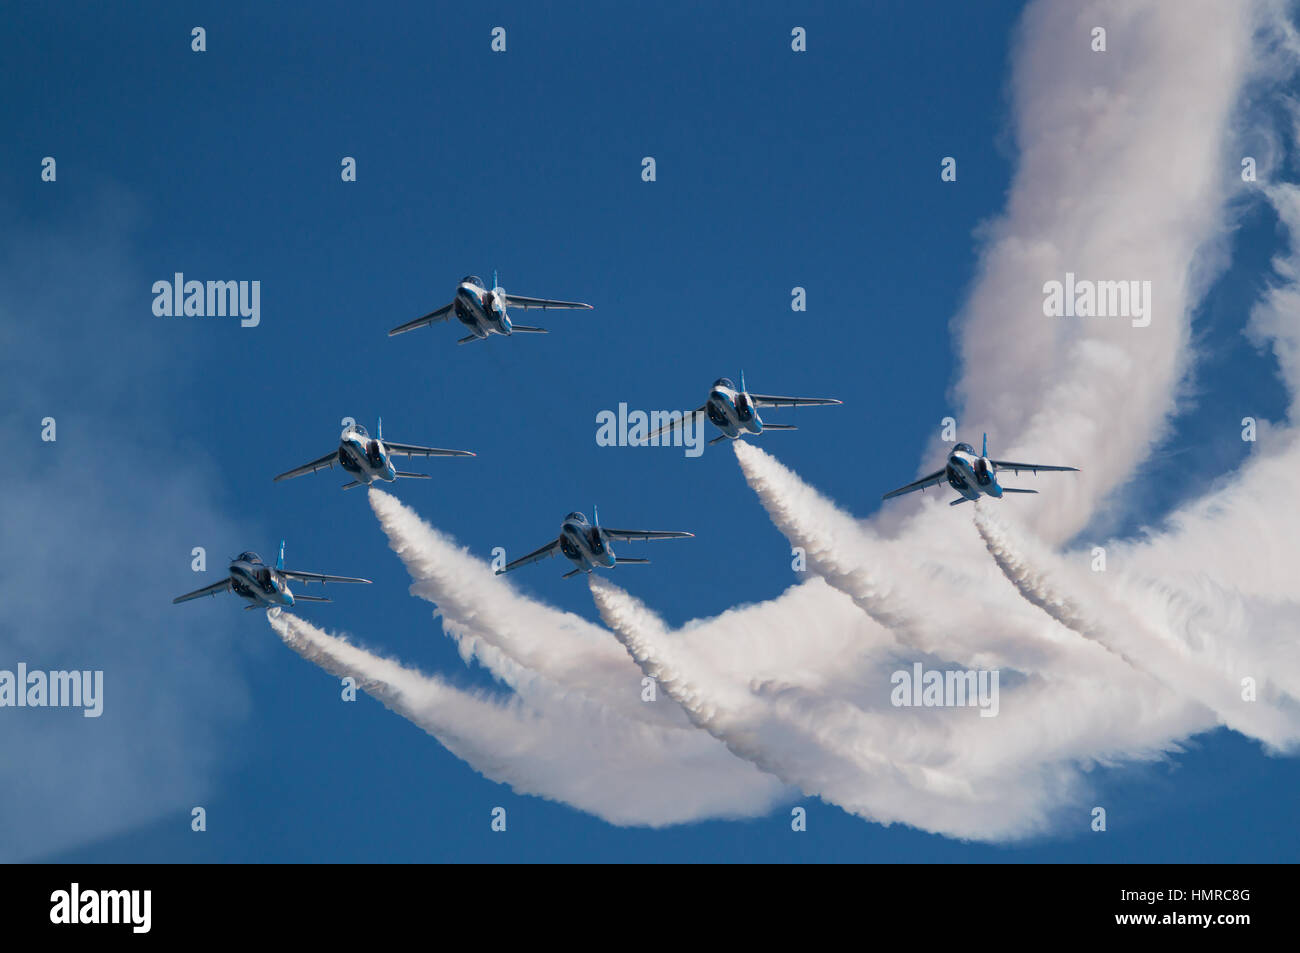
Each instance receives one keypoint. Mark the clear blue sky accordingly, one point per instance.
(774, 170)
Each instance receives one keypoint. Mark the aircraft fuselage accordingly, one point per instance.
(365, 457)
(972, 475)
(254, 581)
(584, 545)
(731, 411)
(481, 310)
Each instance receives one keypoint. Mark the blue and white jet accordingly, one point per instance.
(974, 476)
(734, 410)
(369, 458)
(586, 545)
(484, 310)
(264, 587)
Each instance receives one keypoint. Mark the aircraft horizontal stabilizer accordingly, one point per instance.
(571, 572)
(779, 427)
(348, 486)
(414, 476)
(1012, 489)
(960, 499)
(631, 560)
(524, 329)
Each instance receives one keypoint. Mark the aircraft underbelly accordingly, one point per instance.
(470, 315)
(359, 466)
(731, 426)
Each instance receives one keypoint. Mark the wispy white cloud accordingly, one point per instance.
(89, 547)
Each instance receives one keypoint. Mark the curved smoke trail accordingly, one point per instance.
(558, 748)
(480, 609)
(1157, 653)
(929, 769)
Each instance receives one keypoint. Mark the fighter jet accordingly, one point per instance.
(586, 545)
(368, 459)
(264, 587)
(734, 410)
(483, 310)
(974, 476)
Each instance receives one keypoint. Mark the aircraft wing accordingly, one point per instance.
(1034, 467)
(440, 315)
(550, 549)
(932, 480)
(317, 576)
(212, 590)
(673, 424)
(642, 534)
(767, 400)
(544, 304)
(324, 462)
(411, 450)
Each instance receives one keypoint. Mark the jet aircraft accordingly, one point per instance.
(262, 586)
(974, 476)
(484, 310)
(368, 458)
(734, 410)
(586, 545)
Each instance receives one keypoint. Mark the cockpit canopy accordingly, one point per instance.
(964, 446)
(724, 382)
(576, 516)
(360, 431)
(249, 557)
(472, 280)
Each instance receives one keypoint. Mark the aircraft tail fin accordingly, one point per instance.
(743, 389)
(631, 560)
(348, 486)
(381, 428)
(525, 329)
(279, 563)
(985, 452)
(717, 439)
(469, 337)
(779, 427)
(571, 572)
(1012, 489)
(960, 499)
(595, 515)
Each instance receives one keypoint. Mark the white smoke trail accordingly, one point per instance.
(1095, 195)
(1153, 649)
(1147, 642)
(556, 747)
(896, 581)
(1244, 533)
(968, 777)
(546, 656)
(482, 609)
